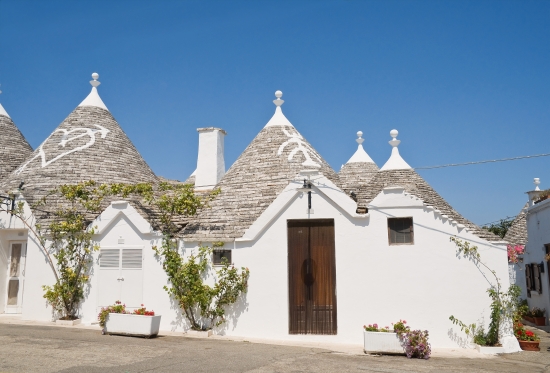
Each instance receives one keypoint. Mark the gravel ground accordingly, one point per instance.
(44, 349)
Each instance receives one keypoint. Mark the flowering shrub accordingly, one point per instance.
(416, 344)
(374, 328)
(118, 307)
(536, 312)
(522, 334)
(514, 252)
(142, 311)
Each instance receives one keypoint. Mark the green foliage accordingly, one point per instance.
(203, 305)
(499, 228)
(504, 305)
(118, 307)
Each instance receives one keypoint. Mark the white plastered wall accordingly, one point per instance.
(423, 283)
(538, 233)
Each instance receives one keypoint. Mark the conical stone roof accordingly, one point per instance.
(88, 145)
(358, 170)
(274, 158)
(517, 233)
(14, 148)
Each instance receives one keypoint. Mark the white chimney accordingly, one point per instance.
(210, 163)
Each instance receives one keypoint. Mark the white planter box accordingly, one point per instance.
(382, 343)
(486, 350)
(67, 322)
(138, 325)
(200, 333)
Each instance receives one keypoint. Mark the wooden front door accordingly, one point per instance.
(311, 277)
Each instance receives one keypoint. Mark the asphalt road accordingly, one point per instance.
(44, 349)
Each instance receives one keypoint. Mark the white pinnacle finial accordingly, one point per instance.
(94, 82)
(278, 101)
(394, 142)
(359, 138)
(536, 181)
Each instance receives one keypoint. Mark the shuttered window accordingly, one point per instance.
(109, 258)
(400, 231)
(537, 277)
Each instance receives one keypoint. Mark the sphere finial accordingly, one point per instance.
(394, 142)
(95, 82)
(359, 138)
(278, 102)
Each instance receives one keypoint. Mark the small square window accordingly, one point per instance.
(218, 255)
(400, 231)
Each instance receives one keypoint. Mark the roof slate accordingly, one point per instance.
(253, 182)
(416, 185)
(517, 233)
(88, 145)
(14, 148)
(353, 175)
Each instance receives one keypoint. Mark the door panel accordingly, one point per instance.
(16, 277)
(120, 276)
(312, 277)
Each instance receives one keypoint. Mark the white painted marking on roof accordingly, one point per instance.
(64, 140)
(395, 162)
(302, 147)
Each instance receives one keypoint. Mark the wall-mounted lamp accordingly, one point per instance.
(306, 188)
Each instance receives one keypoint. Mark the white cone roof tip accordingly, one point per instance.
(360, 154)
(93, 98)
(396, 162)
(278, 119)
(3, 111)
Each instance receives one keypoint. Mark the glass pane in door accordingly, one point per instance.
(13, 291)
(15, 259)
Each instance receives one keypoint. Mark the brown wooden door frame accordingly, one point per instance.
(312, 276)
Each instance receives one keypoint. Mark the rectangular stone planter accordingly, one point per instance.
(134, 325)
(67, 322)
(382, 343)
(486, 350)
(200, 333)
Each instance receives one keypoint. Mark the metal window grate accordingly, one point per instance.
(400, 230)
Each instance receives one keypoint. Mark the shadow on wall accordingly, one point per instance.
(460, 340)
(232, 314)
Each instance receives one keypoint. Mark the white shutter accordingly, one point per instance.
(131, 258)
(109, 258)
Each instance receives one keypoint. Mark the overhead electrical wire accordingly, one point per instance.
(480, 162)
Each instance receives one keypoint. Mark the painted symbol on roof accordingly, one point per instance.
(66, 138)
(301, 146)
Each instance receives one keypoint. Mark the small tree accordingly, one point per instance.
(500, 228)
(203, 305)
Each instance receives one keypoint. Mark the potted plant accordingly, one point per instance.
(528, 341)
(381, 340)
(401, 341)
(116, 319)
(538, 316)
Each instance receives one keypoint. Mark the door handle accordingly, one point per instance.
(120, 279)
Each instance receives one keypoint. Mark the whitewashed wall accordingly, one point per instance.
(538, 234)
(423, 283)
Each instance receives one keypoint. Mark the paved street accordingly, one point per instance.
(28, 349)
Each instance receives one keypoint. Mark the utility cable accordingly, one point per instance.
(480, 162)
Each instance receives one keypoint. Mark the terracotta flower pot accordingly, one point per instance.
(540, 321)
(529, 345)
(528, 318)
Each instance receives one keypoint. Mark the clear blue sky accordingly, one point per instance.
(461, 81)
